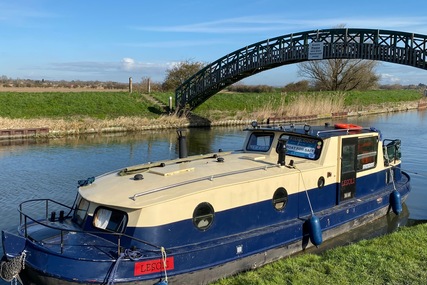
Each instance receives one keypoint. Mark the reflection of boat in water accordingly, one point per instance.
(196, 219)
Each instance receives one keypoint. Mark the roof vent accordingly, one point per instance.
(138, 176)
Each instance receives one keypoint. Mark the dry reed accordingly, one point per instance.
(91, 125)
(303, 105)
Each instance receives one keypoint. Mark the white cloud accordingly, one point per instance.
(386, 78)
(391, 73)
(128, 63)
(98, 70)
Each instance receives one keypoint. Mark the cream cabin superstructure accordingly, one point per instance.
(170, 192)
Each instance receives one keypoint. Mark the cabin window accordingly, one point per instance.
(280, 199)
(80, 212)
(203, 216)
(260, 142)
(110, 219)
(367, 153)
(302, 147)
(347, 159)
(391, 150)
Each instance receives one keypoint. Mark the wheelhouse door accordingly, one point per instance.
(347, 188)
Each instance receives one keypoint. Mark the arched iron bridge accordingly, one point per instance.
(383, 45)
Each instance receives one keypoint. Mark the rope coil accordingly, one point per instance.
(10, 269)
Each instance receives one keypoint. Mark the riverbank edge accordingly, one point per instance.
(80, 126)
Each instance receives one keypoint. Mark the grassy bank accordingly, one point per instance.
(99, 105)
(81, 112)
(91, 111)
(398, 258)
(262, 105)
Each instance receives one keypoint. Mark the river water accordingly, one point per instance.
(50, 168)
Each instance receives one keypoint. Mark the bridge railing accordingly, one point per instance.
(390, 46)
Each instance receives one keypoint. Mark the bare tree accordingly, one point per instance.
(340, 74)
(181, 72)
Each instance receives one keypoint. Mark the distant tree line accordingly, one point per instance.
(322, 75)
(42, 83)
(304, 86)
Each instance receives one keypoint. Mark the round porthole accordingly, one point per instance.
(321, 182)
(203, 216)
(280, 199)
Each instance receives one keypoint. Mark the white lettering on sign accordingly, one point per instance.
(315, 50)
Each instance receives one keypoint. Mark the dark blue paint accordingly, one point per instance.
(315, 230)
(396, 202)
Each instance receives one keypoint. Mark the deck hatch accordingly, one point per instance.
(172, 170)
(253, 157)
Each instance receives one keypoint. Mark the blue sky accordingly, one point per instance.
(114, 40)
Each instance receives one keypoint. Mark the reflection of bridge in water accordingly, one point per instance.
(389, 46)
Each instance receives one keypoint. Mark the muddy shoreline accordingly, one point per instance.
(18, 128)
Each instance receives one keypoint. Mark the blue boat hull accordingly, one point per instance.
(205, 261)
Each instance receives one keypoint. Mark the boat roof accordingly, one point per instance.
(161, 183)
(153, 183)
(321, 131)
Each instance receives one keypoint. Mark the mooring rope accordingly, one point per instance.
(114, 270)
(10, 269)
(306, 192)
(164, 258)
(135, 255)
(392, 178)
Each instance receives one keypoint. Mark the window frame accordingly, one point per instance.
(276, 200)
(77, 218)
(119, 228)
(198, 217)
(257, 148)
(317, 149)
(364, 153)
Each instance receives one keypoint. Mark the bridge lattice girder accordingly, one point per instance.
(383, 45)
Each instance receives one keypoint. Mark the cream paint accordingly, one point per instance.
(260, 177)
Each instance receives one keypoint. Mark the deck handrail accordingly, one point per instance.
(24, 224)
(149, 165)
(346, 131)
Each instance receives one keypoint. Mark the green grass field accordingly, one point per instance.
(98, 105)
(394, 259)
(102, 105)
